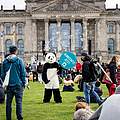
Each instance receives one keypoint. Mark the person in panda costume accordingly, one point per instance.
(50, 78)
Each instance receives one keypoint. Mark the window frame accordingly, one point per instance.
(111, 27)
(20, 28)
(111, 44)
(7, 45)
(20, 49)
(8, 28)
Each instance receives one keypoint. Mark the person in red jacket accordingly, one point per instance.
(78, 67)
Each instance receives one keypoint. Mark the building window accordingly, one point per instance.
(111, 28)
(8, 28)
(8, 43)
(20, 45)
(65, 36)
(53, 37)
(111, 46)
(20, 28)
(78, 37)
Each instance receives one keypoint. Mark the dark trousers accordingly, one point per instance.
(35, 76)
(48, 95)
(16, 91)
(2, 95)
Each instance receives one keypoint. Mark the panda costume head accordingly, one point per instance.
(50, 58)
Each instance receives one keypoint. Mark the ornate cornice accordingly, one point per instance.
(10, 13)
(113, 13)
(42, 1)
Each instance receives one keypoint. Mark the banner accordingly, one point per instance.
(67, 60)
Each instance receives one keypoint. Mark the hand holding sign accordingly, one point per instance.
(67, 60)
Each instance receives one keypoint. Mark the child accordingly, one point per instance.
(68, 84)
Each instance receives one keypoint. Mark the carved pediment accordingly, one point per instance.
(113, 13)
(65, 6)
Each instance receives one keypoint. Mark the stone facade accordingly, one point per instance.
(101, 27)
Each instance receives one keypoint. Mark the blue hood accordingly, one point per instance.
(17, 71)
(12, 58)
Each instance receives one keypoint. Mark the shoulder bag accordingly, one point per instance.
(6, 80)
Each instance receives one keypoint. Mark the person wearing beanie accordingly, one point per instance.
(16, 82)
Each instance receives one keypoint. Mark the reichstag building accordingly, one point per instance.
(61, 25)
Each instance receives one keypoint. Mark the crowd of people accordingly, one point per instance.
(109, 75)
(89, 75)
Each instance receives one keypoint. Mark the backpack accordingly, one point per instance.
(94, 70)
(39, 68)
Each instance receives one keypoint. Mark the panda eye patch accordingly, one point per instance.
(49, 57)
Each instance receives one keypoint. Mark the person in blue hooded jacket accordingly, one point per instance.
(16, 82)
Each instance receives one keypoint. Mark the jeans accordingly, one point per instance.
(89, 88)
(16, 91)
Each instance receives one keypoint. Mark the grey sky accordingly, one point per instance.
(20, 4)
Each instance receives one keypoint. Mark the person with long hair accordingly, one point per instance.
(113, 69)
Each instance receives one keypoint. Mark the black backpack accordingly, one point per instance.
(94, 70)
(39, 68)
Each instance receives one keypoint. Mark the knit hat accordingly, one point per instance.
(84, 54)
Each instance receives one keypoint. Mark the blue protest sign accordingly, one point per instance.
(67, 60)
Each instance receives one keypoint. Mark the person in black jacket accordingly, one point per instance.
(39, 71)
(113, 69)
(89, 79)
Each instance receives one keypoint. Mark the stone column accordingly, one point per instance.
(2, 42)
(102, 38)
(117, 37)
(85, 41)
(28, 39)
(97, 36)
(14, 34)
(34, 37)
(59, 35)
(73, 35)
(46, 35)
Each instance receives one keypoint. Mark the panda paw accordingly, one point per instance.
(47, 81)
